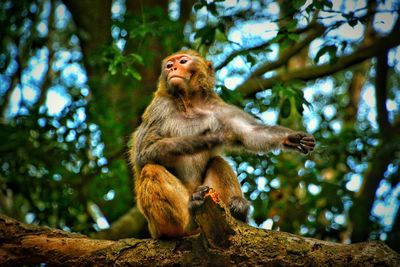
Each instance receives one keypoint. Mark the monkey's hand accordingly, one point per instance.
(197, 198)
(300, 141)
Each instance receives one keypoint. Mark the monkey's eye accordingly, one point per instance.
(169, 65)
(183, 60)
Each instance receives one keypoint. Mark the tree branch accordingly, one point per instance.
(359, 73)
(241, 52)
(218, 233)
(364, 200)
(49, 74)
(131, 224)
(15, 80)
(94, 30)
(255, 84)
(222, 242)
(186, 10)
(313, 24)
(315, 33)
(381, 93)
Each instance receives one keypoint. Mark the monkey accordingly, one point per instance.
(177, 149)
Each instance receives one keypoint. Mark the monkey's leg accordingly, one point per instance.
(163, 200)
(223, 180)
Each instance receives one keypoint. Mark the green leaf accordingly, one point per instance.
(230, 95)
(294, 37)
(220, 36)
(212, 8)
(199, 5)
(344, 45)
(277, 88)
(291, 25)
(310, 9)
(135, 58)
(330, 49)
(251, 59)
(318, 4)
(285, 108)
(206, 34)
(353, 22)
(275, 101)
(133, 73)
(297, 4)
(299, 106)
(112, 69)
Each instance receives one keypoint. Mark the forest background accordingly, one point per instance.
(75, 77)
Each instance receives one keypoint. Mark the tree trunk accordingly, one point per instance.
(222, 242)
(384, 154)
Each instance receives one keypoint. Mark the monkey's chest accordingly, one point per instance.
(190, 168)
(191, 124)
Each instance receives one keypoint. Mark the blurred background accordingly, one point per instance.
(75, 77)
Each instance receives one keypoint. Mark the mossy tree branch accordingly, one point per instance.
(222, 242)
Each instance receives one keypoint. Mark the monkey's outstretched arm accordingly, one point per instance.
(244, 131)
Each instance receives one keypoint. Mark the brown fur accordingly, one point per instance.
(176, 148)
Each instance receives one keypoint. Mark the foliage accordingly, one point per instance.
(46, 162)
(61, 168)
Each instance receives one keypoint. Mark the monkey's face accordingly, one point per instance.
(179, 69)
(186, 72)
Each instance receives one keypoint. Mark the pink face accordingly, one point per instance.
(178, 69)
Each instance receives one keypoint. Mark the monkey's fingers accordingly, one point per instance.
(200, 192)
(307, 143)
(308, 140)
(308, 148)
(197, 199)
(291, 145)
(302, 149)
(294, 138)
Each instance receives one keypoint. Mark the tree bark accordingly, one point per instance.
(131, 224)
(222, 242)
(394, 235)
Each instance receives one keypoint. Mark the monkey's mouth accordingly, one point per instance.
(176, 76)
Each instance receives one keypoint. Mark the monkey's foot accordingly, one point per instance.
(239, 208)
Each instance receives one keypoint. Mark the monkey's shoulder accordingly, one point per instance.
(158, 109)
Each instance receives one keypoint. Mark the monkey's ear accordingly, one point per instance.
(210, 67)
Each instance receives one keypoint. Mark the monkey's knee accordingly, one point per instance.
(222, 179)
(239, 208)
(163, 200)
